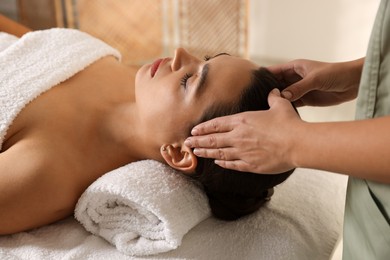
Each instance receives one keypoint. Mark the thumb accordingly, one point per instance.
(273, 96)
(296, 90)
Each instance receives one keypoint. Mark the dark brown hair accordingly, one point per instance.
(233, 194)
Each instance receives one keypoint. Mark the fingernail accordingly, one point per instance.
(196, 151)
(194, 131)
(276, 91)
(287, 94)
(187, 142)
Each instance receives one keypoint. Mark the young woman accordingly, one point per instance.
(108, 115)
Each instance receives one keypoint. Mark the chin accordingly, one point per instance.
(142, 75)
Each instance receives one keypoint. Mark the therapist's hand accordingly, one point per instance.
(317, 83)
(258, 141)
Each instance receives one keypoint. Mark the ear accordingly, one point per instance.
(179, 157)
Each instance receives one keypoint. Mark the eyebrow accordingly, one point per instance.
(200, 88)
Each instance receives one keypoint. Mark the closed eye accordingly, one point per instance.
(184, 80)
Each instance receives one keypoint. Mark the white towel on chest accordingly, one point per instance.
(6, 40)
(37, 62)
(142, 208)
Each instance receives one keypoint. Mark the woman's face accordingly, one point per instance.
(173, 93)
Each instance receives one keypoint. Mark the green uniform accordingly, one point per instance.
(367, 210)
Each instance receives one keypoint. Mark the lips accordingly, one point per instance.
(155, 66)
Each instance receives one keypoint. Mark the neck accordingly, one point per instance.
(118, 133)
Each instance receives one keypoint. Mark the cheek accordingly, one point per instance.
(157, 107)
(165, 127)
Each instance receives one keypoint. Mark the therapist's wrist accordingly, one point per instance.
(300, 144)
(354, 73)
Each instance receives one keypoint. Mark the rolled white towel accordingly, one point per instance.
(142, 208)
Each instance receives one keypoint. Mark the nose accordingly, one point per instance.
(181, 58)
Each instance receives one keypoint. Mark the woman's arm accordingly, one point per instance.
(357, 148)
(12, 27)
(30, 194)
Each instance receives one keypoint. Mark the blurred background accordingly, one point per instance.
(265, 31)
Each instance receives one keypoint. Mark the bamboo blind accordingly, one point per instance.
(145, 29)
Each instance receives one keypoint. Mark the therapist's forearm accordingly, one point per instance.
(9, 26)
(358, 148)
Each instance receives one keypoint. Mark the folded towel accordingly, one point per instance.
(6, 40)
(142, 208)
(37, 62)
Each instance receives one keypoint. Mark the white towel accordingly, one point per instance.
(142, 208)
(302, 221)
(6, 40)
(37, 62)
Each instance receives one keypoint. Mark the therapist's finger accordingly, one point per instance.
(208, 141)
(237, 165)
(285, 73)
(219, 153)
(216, 125)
